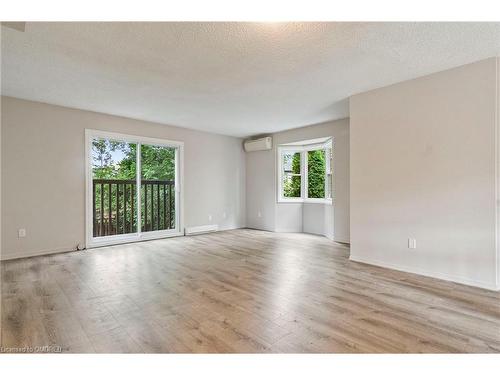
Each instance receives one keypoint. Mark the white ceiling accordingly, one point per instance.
(237, 79)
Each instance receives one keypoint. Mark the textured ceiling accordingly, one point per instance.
(231, 78)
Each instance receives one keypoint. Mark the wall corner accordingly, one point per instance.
(497, 170)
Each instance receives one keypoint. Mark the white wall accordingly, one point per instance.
(297, 217)
(288, 217)
(0, 182)
(313, 218)
(43, 174)
(423, 166)
(260, 197)
(497, 144)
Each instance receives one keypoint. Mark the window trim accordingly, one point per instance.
(303, 150)
(90, 240)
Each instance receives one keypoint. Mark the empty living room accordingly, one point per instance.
(249, 184)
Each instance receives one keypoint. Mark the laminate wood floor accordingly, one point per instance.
(237, 291)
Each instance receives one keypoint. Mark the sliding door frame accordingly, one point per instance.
(92, 241)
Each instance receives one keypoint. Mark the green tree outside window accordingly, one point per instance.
(316, 174)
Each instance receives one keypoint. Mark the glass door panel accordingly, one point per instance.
(114, 201)
(158, 189)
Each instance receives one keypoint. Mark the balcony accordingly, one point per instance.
(114, 204)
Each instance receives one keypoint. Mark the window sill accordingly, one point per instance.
(291, 200)
(308, 200)
(318, 201)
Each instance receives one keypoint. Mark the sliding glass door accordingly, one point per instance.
(133, 188)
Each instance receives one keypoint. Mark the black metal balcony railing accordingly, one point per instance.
(115, 208)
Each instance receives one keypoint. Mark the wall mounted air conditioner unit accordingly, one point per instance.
(262, 144)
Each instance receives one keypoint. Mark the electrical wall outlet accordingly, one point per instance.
(412, 243)
(21, 233)
(209, 217)
(259, 214)
(224, 215)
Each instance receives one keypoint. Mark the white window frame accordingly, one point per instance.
(329, 169)
(290, 149)
(92, 241)
(303, 150)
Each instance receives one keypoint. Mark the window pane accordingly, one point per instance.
(157, 188)
(114, 203)
(291, 174)
(316, 168)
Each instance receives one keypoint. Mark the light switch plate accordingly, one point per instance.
(412, 243)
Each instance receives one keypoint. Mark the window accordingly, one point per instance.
(316, 176)
(292, 178)
(305, 172)
(133, 190)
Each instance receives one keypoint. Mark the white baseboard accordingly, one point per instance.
(34, 253)
(343, 240)
(436, 275)
(189, 231)
(330, 237)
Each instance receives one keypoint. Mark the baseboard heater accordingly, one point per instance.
(191, 231)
